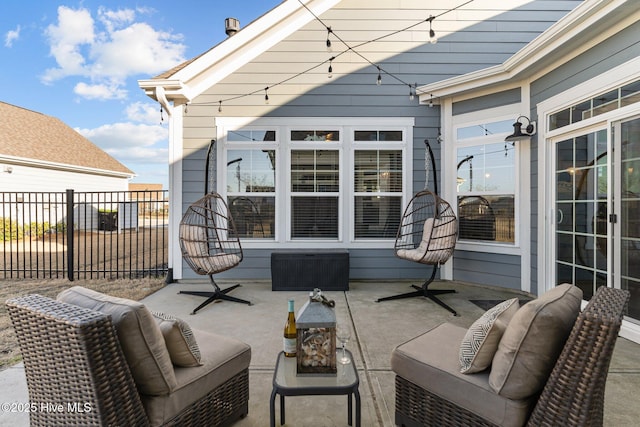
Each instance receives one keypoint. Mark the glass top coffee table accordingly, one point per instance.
(287, 383)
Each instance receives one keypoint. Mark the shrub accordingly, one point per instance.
(9, 230)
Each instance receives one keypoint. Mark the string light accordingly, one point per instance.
(330, 74)
(439, 138)
(161, 115)
(412, 91)
(329, 49)
(431, 101)
(432, 34)
(352, 49)
(186, 108)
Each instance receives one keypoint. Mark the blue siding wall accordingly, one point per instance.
(353, 93)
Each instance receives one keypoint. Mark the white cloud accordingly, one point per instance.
(136, 49)
(144, 113)
(11, 36)
(141, 147)
(131, 136)
(115, 18)
(108, 50)
(100, 91)
(75, 28)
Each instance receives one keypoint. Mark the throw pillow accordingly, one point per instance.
(482, 338)
(533, 341)
(139, 336)
(178, 337)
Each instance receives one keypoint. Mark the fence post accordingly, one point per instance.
(70, 238)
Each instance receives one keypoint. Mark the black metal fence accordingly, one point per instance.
(83, 235)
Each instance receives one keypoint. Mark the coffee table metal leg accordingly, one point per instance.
(272, 408)
(281, 410)
(357, 394)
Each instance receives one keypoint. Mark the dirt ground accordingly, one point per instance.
(134, 289)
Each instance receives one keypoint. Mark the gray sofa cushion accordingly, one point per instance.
(222, 358)
(533, 341)
(139, 335)
(431, 362)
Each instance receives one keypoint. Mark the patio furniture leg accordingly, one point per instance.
(424, 291)
(217, 294)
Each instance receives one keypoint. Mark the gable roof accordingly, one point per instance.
(590, 23)
(187, 80)
(30, 137)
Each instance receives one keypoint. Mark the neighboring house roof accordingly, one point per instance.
(587, 25)
(34, 138)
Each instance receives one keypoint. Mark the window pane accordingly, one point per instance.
(315, 135)
(377, 217)
(630, 94)
(488, 218)
(605, 102)
(614, 99)
(487, 168)
(378, 171)
(254, 216)
(251, 171)
(251, 135)
(485, 129)
(314, 217)
(560, 119)
(374, 135)
(315, 171)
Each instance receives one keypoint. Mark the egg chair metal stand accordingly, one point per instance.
(209, 241)
(427, 235)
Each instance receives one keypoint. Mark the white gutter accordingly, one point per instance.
(22, 161)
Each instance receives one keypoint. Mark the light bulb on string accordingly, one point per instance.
(266, 95)
(412, 92)
(432, 34)
(431, 101)
(186, 108)
(220, 106)
(379, 81)
(330, 72)
(329, 49)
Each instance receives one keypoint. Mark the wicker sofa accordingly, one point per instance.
(538, 376)
(110, 365)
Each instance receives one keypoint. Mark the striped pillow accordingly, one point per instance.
(178, 337)
(481, 341)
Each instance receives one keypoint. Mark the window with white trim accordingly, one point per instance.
(486, 183)
(311, 182)
(250, 167)
(378, 184)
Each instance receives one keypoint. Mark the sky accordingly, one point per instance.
(80, 61)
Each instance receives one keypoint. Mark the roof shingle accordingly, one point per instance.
(31, 135)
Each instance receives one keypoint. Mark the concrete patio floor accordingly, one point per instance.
(378, 328)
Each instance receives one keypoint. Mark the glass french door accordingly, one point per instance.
(627, 136)
(597, 206)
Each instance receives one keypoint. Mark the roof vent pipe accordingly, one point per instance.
(231, 26)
